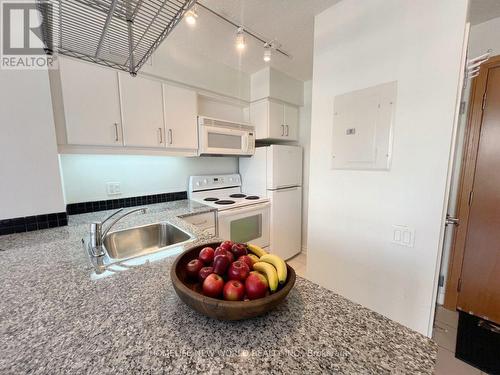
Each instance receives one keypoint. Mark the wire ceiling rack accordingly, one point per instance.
(122, 34)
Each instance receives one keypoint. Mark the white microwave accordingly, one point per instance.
(219, 137)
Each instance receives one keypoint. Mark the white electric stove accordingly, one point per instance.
(241, 216)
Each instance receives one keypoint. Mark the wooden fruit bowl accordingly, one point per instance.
(190, 293)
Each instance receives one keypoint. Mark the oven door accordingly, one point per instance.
(224, 141)
(246, 224)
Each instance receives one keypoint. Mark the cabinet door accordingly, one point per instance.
(291, 122)
(142, 111)
(181, 111)
(276, 120)
(91, 104)
(259, 117)
(286, 222)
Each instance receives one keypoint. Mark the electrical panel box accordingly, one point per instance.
(363, 125)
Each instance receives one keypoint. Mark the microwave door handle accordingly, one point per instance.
(245, 149)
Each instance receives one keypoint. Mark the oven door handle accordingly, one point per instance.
(240, 210)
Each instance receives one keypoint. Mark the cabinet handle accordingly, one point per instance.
(161, 136)
(171, 136)
(116, 131)
(282, 130)
(287, 129)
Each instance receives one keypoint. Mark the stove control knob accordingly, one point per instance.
(205, 181)
(198, 183)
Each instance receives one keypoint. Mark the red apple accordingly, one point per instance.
(213, 285)
(239, 249)
(221, 264)
(207, 255)
(204, 272)
(234, 290)
(193, 267)
(238, 271)
(246, 259)
(219, 251)
(256, 285)
(230, 256)
(227, 245)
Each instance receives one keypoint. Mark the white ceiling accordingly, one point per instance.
(291, 22)
(483, 10)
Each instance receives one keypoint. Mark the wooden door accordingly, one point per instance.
(91, 104)
(479, 290)
(181, 111)
(142, 111)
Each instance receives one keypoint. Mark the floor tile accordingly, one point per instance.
(446, 316)
(447, 364)
(445, 336)
(298, 263)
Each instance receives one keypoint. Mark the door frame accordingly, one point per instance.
(467, 172)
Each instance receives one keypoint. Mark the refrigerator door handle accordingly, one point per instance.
(285, 188)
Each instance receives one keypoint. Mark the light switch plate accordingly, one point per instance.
(113, 188)
(403, 235)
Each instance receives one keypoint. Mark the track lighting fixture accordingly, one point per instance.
(191, 16)
(240, 39)
(267, 52)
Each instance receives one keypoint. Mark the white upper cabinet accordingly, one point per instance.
(91, 104)
(142, 112)
(275, 120)
(181, 111)
(291, 121)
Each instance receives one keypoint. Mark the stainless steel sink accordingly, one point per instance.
(139, 241)
(132, 247)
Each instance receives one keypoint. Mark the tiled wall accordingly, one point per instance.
(31, 223)
(81, 208)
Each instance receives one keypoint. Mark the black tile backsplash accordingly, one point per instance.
(86, 207)
(60, 219)
(31, 223)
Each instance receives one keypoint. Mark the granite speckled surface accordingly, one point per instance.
(54, 319)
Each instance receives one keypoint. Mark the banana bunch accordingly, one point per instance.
(272, 266)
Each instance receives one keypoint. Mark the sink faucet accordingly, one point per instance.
(97, 234)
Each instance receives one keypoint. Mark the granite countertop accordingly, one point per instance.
(54, 318)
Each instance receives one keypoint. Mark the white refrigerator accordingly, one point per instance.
(275, 171)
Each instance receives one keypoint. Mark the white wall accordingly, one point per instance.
(484, 36)
(269, 82)
(182, 64)
(85, 176)
(305, 142)
(29, 171)
(359, 44)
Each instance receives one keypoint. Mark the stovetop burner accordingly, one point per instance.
(237, 196)
(225, 202)
(252, 197)
(210, 199)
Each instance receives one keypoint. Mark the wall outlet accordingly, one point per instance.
(403, 235)
(113, 188)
